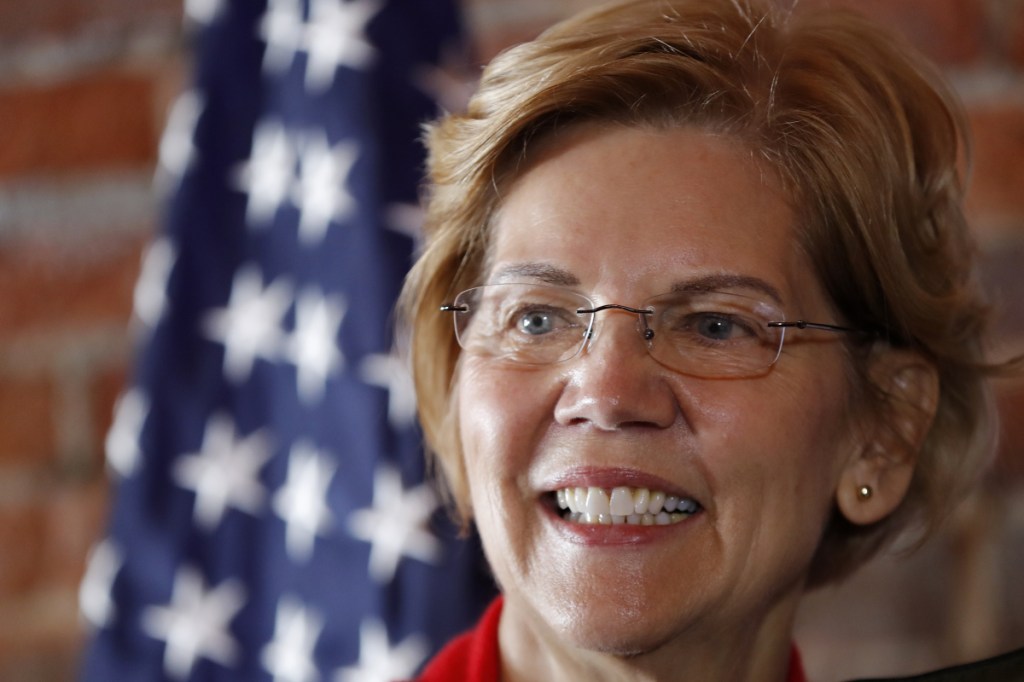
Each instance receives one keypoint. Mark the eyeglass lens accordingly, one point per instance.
(702, 333)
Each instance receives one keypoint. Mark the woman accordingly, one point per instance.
(716, 335)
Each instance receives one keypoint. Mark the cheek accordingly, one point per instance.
(486, 414)
(801, 424)
(501, 413)
(771, 458)
(501, 418)
(784, 450)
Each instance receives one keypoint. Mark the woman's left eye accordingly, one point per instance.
(717, 327)
(710, 327)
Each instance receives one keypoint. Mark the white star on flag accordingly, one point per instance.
(250, 326)
(395, 526)
(225, 472)
(405, 219)
(450, 83)
(195, 624)
(302, 501)
(289, 656)
(203, 12)
(321, 193)
(313, 347)
(281, 28)
(122, 442)
(392, 374)
(177, 149)
(336, 36)
(378, 662)
(267, 176)
(149, 298)
(94, 600)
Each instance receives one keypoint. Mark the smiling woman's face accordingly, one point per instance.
(623, 214)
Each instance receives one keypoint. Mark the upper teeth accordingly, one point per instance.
(624, 505)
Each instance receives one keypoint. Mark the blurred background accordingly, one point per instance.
(85, 89)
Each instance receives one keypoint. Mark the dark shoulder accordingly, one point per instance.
(1006, 668)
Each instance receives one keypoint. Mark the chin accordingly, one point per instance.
(618, 643)
(623, 632)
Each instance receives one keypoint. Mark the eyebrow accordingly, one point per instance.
(552, 274)
(543, 272)
(724, 281)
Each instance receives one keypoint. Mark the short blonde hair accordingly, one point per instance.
(864, 135)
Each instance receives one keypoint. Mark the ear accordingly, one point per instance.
(902, 402)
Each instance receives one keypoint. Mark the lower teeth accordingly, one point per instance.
(659, 519)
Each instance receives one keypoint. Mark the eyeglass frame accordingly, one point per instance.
(648, 333)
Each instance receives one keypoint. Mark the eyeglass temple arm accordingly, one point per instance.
(454, 308)
(803, 324)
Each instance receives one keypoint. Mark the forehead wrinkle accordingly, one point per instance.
(541, 272)
(724, 281)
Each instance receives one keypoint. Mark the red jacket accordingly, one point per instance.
(473, 656)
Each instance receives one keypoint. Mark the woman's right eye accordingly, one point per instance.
(541, 321)
(536, 323)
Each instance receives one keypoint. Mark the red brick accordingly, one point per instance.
(46, 532)
(105, 390)
(19, 19)
(30, 666)
(40, 636)
(1014, 35)
(75, 516)
(948, 31)
(998, 177)
(45, 539)
(99, 121)
(46, 286)
(22, 536)
(26, 426)
(1000, 270)
(951, 32)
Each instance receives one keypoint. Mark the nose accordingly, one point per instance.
(615, 384)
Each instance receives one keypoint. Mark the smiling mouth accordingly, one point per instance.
(623, 505)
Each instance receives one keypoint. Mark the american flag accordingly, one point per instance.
(271, 520)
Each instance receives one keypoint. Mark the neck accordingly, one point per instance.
(757, 650)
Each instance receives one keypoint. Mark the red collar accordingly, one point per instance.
(473, 656)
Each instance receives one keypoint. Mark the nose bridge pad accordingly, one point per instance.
(778, 348)
(642, 326)
(588, 335)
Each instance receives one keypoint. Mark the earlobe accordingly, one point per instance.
(873, 486)
(905, 388)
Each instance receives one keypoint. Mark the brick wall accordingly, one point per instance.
(84, 87)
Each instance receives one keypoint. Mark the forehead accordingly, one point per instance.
(639, 209)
